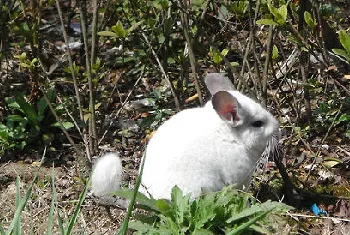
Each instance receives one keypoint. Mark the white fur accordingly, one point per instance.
(197, 150)
(107, 175)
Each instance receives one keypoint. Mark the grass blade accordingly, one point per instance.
(2, 231)
(125, 224)
(245, 226)
(52, 207)
(73, 219)
(17, 228)
(21, 202)
(60, 223)
(19, 208)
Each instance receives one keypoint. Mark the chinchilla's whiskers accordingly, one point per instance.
(271, 151)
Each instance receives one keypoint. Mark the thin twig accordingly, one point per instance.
(71, 67)
(266, 66)
(332, 124)
(76, 149)
(75, 83)
(252, 31)
(92, 120)
(73, 120)
(204, 9)
(94, 36)
(242, 84)
(185, 26)
(167, 80)
(342, 86)
(304, 42)
(316, 216)
(122, 106)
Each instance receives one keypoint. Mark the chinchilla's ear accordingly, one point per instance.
(217, 82)
(226, 107)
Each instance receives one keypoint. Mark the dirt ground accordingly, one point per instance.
(98, 219)
(93, 219)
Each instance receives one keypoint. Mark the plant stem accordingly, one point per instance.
(185, 26)
(266, 66)
(94, 36)
(92, 122)
(75, 82)
(167, 80)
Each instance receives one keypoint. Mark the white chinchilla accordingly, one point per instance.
(210, 147)
(199, 149)
(107, 175)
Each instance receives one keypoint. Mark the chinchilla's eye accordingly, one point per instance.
(258, 123)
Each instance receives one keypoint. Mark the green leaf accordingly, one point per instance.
(246, 225)
(259, 208)
(143, 227)
(280, 14)
(202, 232)
(282, 11)
(4, 133)
(107, 34)
(344, 118)
(28, 109)
(259, 229)
(24, 65)
(42, 104)
(180, 203)
(223, 12)
(224, 52)
(141, 199)
(203, 210)
(15, 118)
(161, 38)
(163, 206)
(234, 64)
(118, 28)
(274, 52)
(309, 21)
(347, 133)
(272, 9)
(63, 230)
(342, 53)
(266, 22)
(239, 7)
(328, 10)
(32, 63)
(134, 25)
(23, 56)
(11, 103)
(251, 211)
(345, 40)
(66, 125)
(217, 57)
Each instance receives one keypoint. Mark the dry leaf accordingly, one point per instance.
(347, 76)
(331, 68)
